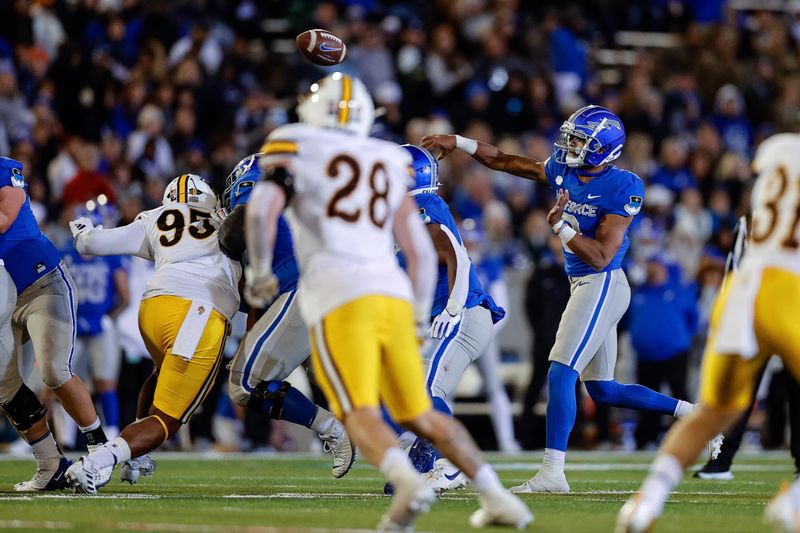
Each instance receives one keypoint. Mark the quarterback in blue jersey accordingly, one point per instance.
(595, 205)
(102, 289)
(44, 314)
(278, 341)
(462, 316)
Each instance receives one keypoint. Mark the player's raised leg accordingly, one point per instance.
(181, 387)
(20, 405)
(46, 313)
(271, 350)
(408, 403)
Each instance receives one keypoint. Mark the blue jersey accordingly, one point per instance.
(26, 251)
(284, 265)
(434, 210)
(612, 191)
(94, 281)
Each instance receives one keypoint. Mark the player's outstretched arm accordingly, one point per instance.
(451, 253)
(598, 252)
(261, 224)
(414, 241)
(11, 201)
(486, 154)
(127, 240)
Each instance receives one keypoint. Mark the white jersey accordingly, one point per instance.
(347, 190)
(189, 264)
(775, 236)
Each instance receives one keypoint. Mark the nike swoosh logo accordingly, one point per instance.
(324, 48)
(451, 478)
(593, 196)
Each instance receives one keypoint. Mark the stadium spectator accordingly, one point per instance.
(662, 323)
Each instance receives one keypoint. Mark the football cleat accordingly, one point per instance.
(445, 476)
(411, 499)
(636, 516)
(132, 469)
(783, 511)
(422, 455)
(543, 481)
(501, 509)
(86, 476)
(714, 469)
(46, 480)
(338, 443)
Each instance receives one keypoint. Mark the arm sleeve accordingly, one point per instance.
(628, 200)
(231, 234)
(127, 240)
(458, 296)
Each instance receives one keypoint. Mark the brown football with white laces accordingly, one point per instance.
(321, 47)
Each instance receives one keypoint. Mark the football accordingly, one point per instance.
(321, 47)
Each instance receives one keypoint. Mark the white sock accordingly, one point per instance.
(395, 466)
(486, 480)
(665, 474)
(683, 409)
(46, 451)
(554, 460)
(111, 453)
(323, 421)
(91, 427)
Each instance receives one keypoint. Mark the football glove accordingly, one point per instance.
(259, 289)
(81, 226)
(443, 324)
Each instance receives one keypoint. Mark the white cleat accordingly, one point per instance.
(132, 469)
(338, 443)
(46, 479)
(501, 509)
(410, 500)
(86, 476)
(636, 516)
(716, 476)
(445, 476)
(543, 481)
(783, 511)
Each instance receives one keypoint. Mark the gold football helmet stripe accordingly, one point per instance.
(344, 104)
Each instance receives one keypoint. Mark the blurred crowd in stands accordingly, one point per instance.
(116, 97)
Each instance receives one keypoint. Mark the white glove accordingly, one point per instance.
(259, 289)
(443, 324)
(217, 218)
(81, 226)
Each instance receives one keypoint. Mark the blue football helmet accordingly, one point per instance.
(100, 211)
(426, 170)
(601, 131)
(240, 181)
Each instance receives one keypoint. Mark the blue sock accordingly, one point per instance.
(110, 405)
(561, 406)
(389, 420)
(281, 401)
(631, 396)
(440, 405)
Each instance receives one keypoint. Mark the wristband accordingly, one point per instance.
(564, 231)
(464, 144)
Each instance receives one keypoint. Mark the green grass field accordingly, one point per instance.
(286, 492)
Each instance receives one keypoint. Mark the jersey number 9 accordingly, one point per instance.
(172, 222)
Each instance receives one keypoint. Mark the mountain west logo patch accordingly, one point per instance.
(634, 205)
(17, 180)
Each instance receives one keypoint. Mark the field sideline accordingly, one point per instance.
(265, 493)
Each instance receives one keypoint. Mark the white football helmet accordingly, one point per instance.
(190, 189)
(338, 101)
